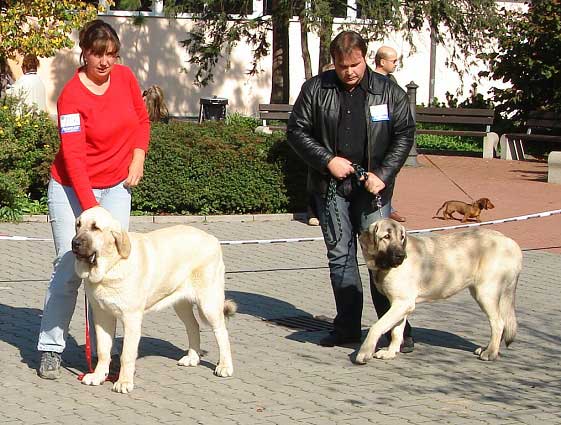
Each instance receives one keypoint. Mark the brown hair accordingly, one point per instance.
(98, 37)
(29, 63)
(155, 105)
(346, 42)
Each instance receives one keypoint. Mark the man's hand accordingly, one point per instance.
(373, 184)
(340, 167)
(136, 168)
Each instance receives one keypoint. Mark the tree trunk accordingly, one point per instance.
(280, 82)
(324, 42)
(305, 49)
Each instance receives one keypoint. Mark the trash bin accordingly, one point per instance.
(212, 108)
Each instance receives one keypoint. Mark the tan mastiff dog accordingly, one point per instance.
(126, 274)
(410, 270)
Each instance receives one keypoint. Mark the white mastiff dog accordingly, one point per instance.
(410, 270)
(126, 274)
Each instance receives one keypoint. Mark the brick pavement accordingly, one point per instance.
(281, 375)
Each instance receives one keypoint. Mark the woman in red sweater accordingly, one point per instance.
(104, 132)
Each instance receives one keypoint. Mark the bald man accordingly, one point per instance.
(386, 61)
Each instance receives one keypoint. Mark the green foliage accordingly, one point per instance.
(449, 143)
(528, 58)
(215, 168)
(475, 101)
(41, 27)
(28, 144)
(239, 120)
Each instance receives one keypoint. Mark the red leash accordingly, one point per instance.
(88, 348)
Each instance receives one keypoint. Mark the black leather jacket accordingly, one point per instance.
(312, 129)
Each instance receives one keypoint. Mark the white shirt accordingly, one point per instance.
(32, 90)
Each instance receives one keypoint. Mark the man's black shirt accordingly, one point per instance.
(351, 132)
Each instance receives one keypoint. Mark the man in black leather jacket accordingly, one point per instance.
(344, 120)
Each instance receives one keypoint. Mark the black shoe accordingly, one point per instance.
(333, 339)
(408, 345)
(50, 365)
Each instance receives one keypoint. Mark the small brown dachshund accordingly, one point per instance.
(468, 210)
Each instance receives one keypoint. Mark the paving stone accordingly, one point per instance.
(282, 375)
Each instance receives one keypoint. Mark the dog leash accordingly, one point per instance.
(362, 176)
(88, 348)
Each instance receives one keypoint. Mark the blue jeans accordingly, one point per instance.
(62, 292)
(355, 213)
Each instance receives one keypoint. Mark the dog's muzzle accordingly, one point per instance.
(82, 251)
(391, 258)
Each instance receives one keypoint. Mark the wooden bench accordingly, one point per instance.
(281, 112)
(274, 112)
(541, 127)
(469, 116)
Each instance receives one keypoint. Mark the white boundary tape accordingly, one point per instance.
(503, 220)
(271, 241)
(22, 238)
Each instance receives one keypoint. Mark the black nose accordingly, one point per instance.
(75, 244)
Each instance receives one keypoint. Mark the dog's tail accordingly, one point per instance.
(438, 211)
(230, 308)
(507, 312)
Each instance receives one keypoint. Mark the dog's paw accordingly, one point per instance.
(363, 356)
(485, 354)
(122, 386)
(93, 379)
(385, 354)
(190, 359)
(224, 371)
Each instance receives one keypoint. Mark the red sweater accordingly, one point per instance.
(99, 133)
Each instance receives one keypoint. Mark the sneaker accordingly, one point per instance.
(50, 365)
(408, 345)
(333, 339)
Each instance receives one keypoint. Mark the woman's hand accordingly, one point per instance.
(136, 168)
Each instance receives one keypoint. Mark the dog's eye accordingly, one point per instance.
(387, 236)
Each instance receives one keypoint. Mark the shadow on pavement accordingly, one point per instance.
(269, 308)
(263, 306)
(19, 326)
(433, 337)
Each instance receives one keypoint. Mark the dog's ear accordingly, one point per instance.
(372, 232)
(403, 237)
(123, 243)
(368, 236)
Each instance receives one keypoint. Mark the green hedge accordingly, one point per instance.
(28, 144)
(215, 168)
(208, 168)
(434, 142)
